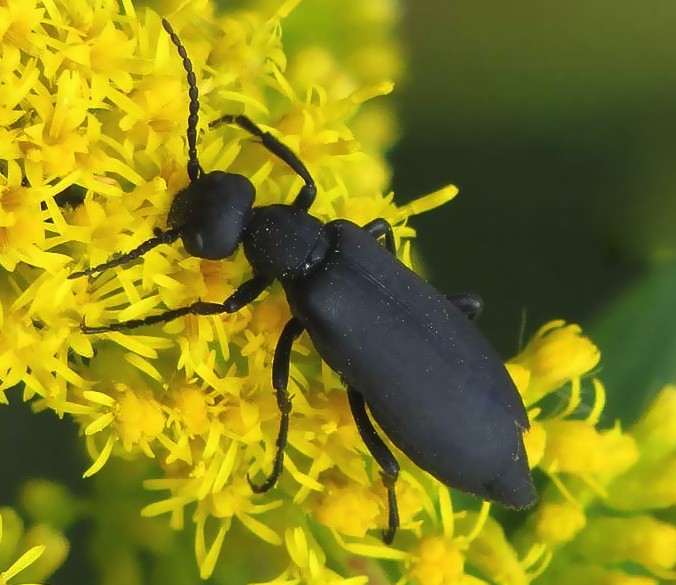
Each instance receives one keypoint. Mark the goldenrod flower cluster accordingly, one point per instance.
(93, 102)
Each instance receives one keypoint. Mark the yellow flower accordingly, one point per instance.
(309, 562)
(640, 539)
(556, 354)
(651, 483)
(558, 523)
(439, 562)
(351, 510)
(574, 447)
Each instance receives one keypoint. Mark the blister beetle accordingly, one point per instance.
(430, 379)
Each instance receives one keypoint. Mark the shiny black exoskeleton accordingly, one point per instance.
(429, 377)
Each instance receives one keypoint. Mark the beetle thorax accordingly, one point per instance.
(284, 242)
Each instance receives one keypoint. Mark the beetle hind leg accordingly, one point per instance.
(280, 381)
(383, 456)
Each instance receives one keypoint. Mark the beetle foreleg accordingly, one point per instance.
(308, 192)
(383, 456)
(381, 227)
(245, 293)
(280, 381)
(469, 304)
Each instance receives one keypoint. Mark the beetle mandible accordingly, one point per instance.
(430, 379)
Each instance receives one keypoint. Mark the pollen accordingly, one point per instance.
(351, 510)
(138, 418)
(193, 408)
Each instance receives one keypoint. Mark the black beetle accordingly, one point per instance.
(430, 379)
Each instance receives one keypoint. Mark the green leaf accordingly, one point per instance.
(637, 338)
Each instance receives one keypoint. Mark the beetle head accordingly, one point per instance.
(211, 213)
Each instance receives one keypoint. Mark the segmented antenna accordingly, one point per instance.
(194, 168)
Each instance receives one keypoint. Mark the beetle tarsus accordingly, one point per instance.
(246, 293)
(281, 364)
(270, 481)
(278, 465)
(383, 456)
(393, 514)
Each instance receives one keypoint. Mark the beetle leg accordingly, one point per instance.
(308, 192)
(280, 381)
(383, 456)
(246, 292)
(469, 304)
(160, 237)
(381, 227)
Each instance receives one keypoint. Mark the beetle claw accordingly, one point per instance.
(388, 535)
(261, 488)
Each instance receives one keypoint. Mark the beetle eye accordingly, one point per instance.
(194, 244)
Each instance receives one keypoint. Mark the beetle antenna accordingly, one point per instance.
(161, 237)
(194, 168)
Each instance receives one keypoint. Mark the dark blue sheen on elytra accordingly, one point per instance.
(431, 380)
(407, 354)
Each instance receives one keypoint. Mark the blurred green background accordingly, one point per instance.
(557, 121)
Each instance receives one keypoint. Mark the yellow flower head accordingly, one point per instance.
(439, 562)
(651, 483)
(558, 523)
(577, 448)
(641, 539)
(351, 510)
(557, 353)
